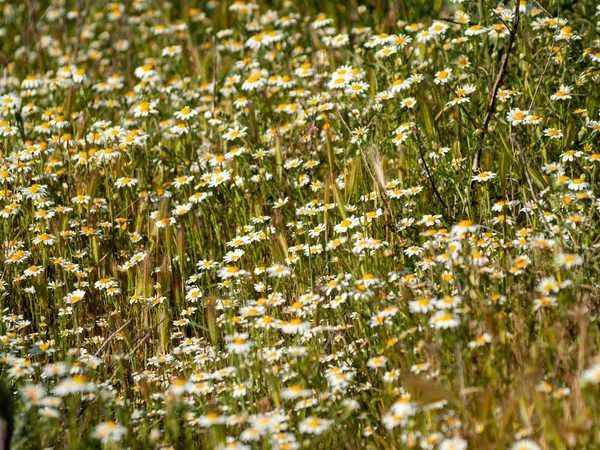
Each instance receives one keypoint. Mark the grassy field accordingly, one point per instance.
(300, 224)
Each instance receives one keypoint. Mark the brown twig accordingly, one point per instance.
(429, 175)
(494, 94)
(112, 336)
(530, 184)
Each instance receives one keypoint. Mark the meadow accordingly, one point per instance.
(300, 224)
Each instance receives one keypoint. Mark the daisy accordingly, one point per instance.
(408, 102)
(234, 133)
(182, 180)
(74, 297)
(443, 76)
(254, 81)
(464, 226)
(479, 341)
(295, 392)
(278, 271)
(314, 425)
(294, 326)
(399, 136)
(484, 176)
(525, 444)
(444, 320)
(391, 421)
(126, 182)
(9, 103)
(458, 101)
(591, 375)
(578, 184)
(109, 432)
(233, 256)
(516, 116)
(33, 271)
(553, 133)
(422, 305)
(186, 113)
(568, 260)
(376, 362)
(346, 224)
(193, 295)
(321, 21)
(386, 51)
(563, 93)
(399, 85)
(475, 30)
(456, 443)
(231, 272)
(357, 88)
(145, 109)
(44, 238)
(171, 50)
(239, 343)
(75, 385)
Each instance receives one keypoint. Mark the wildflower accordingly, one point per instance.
(44, 238)
(485, 338)
(359, 135)
(484, 176)
(314, 425)
(553, 133)
(109, 432)
(346, 224)
(145, 109)
(182, 181)
(544, 302)
(463, 227)
(591, 375)
(377, 362)
(186, 113)
(569, 261)
(444, 320)
(76, 385)
(443, 76)
(294, 326)
(408, 103)
(391, 421)
(563, 93)
(357, 88)
(458, 101)
(239, 343)
(399, 136)
(234, 133)
(74, 297)
(516, 116)
(254, 81)
(456, 443)
(126, 182)
(233, 256)
(33, 271)
(231, 272)
(525, 444)
(294, 392)
(475, 30)
(278, 271)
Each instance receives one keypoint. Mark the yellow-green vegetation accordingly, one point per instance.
(300, 224)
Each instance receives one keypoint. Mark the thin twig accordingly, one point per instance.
(537, 87)
(494, 94)
(112, 336)
(429, 175)
(530, 184)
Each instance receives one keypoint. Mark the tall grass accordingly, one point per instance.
(300, 224)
